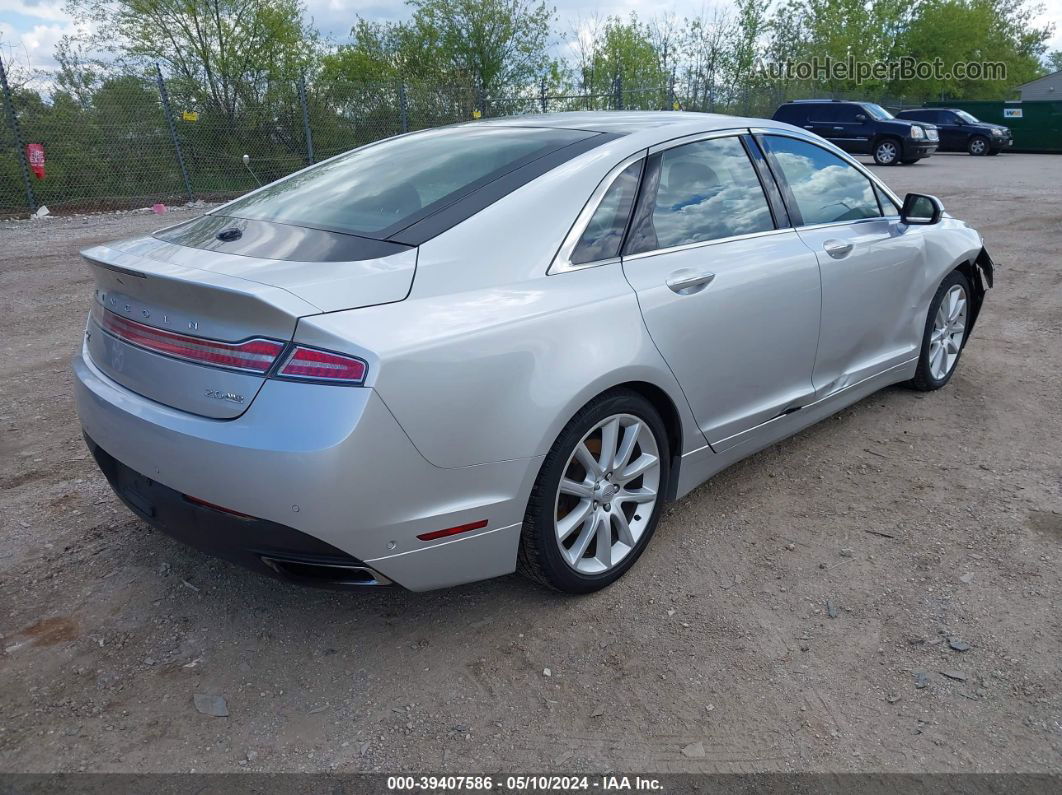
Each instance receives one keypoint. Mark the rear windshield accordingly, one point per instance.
(377, 190)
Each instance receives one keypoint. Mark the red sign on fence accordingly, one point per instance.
(35, 156)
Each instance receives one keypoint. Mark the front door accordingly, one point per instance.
(869, 263)
(731, 302)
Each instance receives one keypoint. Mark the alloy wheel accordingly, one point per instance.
(978, 146)
(949, 328)
(607, 494)
(886, 152)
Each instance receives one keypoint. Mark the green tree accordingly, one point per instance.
(492, 47)
(621, 56)
(225, 53)
(973, 30)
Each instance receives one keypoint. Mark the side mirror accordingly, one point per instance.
(860, 117)
(919, 208)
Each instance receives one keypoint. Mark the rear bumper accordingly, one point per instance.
(322, 470)
(257, 544)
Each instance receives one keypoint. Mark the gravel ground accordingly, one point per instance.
(802, 611)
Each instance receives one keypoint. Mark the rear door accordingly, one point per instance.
(825, 120)
(869, 262)
(728, 293)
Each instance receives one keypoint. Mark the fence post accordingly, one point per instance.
(12, 118)
(403, 105)
(173, 132)
(619, 92)
(305, 121)
(671, 91)
(542, 94)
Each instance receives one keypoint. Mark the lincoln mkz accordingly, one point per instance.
(506, 345)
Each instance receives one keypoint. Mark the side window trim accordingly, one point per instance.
(562, 259)
(767, 181)
(795, 218)
(787, 193)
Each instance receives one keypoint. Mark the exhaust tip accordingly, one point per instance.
(325, 573)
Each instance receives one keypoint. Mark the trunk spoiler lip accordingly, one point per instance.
(99, 256)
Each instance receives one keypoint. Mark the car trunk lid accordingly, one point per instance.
(198, 330)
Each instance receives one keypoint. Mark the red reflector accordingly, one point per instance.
(452, 531)
(255, 356)
(213, 507)
(315, 365)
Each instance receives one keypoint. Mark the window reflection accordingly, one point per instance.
(826, 188)
(701, 191)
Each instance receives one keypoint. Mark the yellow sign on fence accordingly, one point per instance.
(190, 115)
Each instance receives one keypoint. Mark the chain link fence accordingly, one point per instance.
(135, 141)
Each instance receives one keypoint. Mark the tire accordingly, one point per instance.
(561, 541)
(978, 145)
(910, 161)
(994, 152)
(887, 151)
(933, 373)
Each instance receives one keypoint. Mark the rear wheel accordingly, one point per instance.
(978, 145)
(910, 160)
(887, 152)
(598, 496)
(945, 334)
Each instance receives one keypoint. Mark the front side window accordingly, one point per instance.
(969, 118)
(826, 188)
(848, 113)
(876, 111)
(603, 236)
(698, 192)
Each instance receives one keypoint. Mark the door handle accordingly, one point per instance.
(809, 126)
(838, 128)
(684, 282)
(838, 249)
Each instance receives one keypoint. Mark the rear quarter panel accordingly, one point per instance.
(494, 373)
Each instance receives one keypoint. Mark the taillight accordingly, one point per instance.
(252, 356)
(310, 364)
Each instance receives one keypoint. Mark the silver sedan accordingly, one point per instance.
(506, 345)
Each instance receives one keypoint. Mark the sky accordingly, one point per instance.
(29, 29)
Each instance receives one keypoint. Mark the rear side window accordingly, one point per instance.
(697, 192)
(826, 188)
(377, 190)
(603, 236)
(826, 112)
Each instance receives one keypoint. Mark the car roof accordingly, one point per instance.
(822, 101)
(624, 122)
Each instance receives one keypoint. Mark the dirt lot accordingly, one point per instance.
(922, 520)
